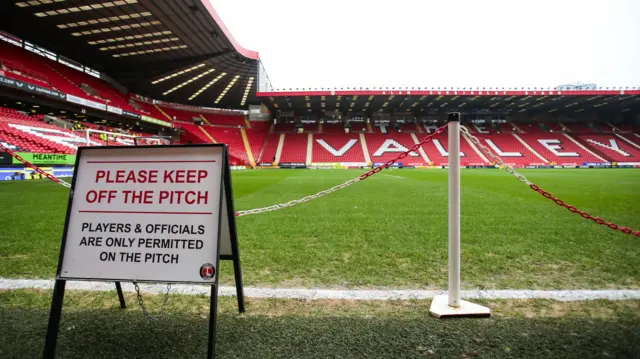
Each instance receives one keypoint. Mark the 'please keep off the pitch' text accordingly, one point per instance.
(168, 177)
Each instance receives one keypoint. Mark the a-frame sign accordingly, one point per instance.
(161, 214)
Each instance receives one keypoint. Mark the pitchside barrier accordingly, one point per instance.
(160, 214)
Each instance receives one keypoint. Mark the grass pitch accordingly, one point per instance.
(94, 327)
(389, 231)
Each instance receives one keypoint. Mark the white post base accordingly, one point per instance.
(440, 308)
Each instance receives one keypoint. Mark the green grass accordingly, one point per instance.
(93, 327)
(388, 231)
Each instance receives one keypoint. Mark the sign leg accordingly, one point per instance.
(123, 304)
(239, 287)
(213, 314)
(54, 320)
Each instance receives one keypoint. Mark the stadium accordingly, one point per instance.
(342, 199)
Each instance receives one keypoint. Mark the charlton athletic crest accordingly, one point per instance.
(207, 271)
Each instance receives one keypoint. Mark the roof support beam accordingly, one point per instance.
(150, 70)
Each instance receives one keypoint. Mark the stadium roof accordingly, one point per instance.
(171, 50)
(441, 100)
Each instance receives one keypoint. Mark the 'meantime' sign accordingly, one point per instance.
(148, 214)
(46, 158)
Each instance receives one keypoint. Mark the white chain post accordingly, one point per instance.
(454, 211)
(450, 304)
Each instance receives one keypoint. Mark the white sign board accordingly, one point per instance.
(146, 214)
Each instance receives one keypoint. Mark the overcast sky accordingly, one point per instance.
(340, 43)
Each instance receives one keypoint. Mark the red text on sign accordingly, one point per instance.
(127, 176)
(100, 196)
(184, 176)
(141, 197)
(181, 197)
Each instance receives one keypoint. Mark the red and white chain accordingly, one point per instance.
(276, 207)
(34, 167)
(362, 177)
(465, 132)
(544, 193)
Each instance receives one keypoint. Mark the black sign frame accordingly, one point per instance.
(57, 299)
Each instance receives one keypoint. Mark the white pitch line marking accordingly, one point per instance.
(315, 294)
(388, 175)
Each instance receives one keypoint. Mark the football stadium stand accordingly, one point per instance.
(611, 147)
(28, 134)
(560, 148)
(294, 148)
(257, 137)
(209, 89)
(269, 153)
(233, 138)
(335, 147)
(383, 147)
(519, 145)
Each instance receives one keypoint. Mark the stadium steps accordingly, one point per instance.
(628, 140)
(247, 147)
(135, 105)
(309, 149)
(370, 129)
(419, 128)
(206, 133)
(247, 122)
(262, 148)
(365, 149)
(420, 149)
(515, 126)
(505, 127)
(205, 119)
(279, 149)
(614, 128)
(593, 149)
(67, 81)
(89, 90)
(614, 148)
(320, 127)
(476, 149)
(556, 127)
(162, 112)
(268, 152)
(584, 148)
(564, 127)
(526, 145)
